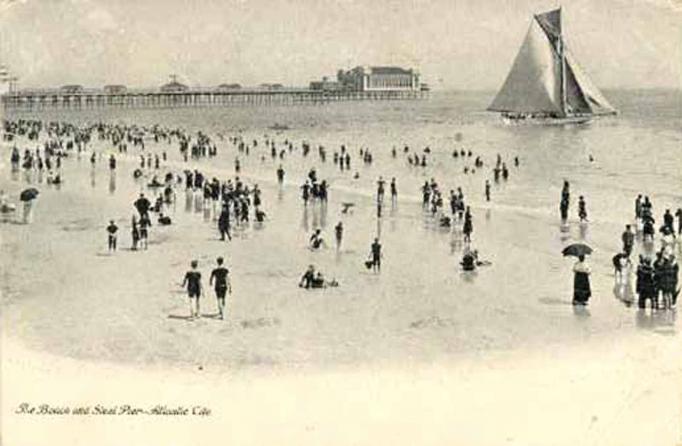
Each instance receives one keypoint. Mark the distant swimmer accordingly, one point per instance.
(221, 281)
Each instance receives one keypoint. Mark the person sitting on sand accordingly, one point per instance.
(318, 281)
(308, 277)
(260, 216)
(316, 240)
(164, 220)
(469, 260)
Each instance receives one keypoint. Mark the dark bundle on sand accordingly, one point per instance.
(369, 264)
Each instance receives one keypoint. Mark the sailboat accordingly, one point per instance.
(545, 84)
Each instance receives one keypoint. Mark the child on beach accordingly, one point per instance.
(112, 229)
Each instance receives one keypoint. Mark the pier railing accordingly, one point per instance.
(93, 99)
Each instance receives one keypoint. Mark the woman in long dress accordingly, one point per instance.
(581, 282)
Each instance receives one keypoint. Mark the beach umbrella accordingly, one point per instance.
(29, 194)
(577, 250)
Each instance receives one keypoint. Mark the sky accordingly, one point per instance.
(455, 44)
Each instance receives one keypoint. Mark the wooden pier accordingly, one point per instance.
(34, 100)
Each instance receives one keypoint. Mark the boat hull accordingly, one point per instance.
(570, 120)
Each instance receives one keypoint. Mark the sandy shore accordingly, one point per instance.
(624, 392)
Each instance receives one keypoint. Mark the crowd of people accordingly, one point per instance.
(231, 204)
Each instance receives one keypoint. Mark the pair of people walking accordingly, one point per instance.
(219, 279)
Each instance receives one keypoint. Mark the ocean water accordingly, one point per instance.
(65, 294)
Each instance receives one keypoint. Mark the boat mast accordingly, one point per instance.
(563, 66)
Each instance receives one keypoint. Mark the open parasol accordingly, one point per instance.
(577, 250)
(29, 194)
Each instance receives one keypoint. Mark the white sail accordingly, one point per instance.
(598, 104)
(546, 79)
(532, 85)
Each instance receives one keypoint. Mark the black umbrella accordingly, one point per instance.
(29, 194)
(577, 250)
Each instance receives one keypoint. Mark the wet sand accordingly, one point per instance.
(492, 339)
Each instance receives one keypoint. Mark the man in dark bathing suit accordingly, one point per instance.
(222, 285)
(375, 252)
(193, 282)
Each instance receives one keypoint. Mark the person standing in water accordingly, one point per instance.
(380, 190)
(222, 285)
(376, 255)
(581, 282)
(112, 229)
(565, 201)
(145, 223)
(224, 223)
(582, 209)
(394, 192)
(280, 175)
(192, 281)
(135, 234)
(628, 239)
(468, 227)
(487, 190)
(338, 230)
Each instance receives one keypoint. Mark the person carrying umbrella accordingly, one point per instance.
(581, 273)
(581, 282)
(27, 196)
